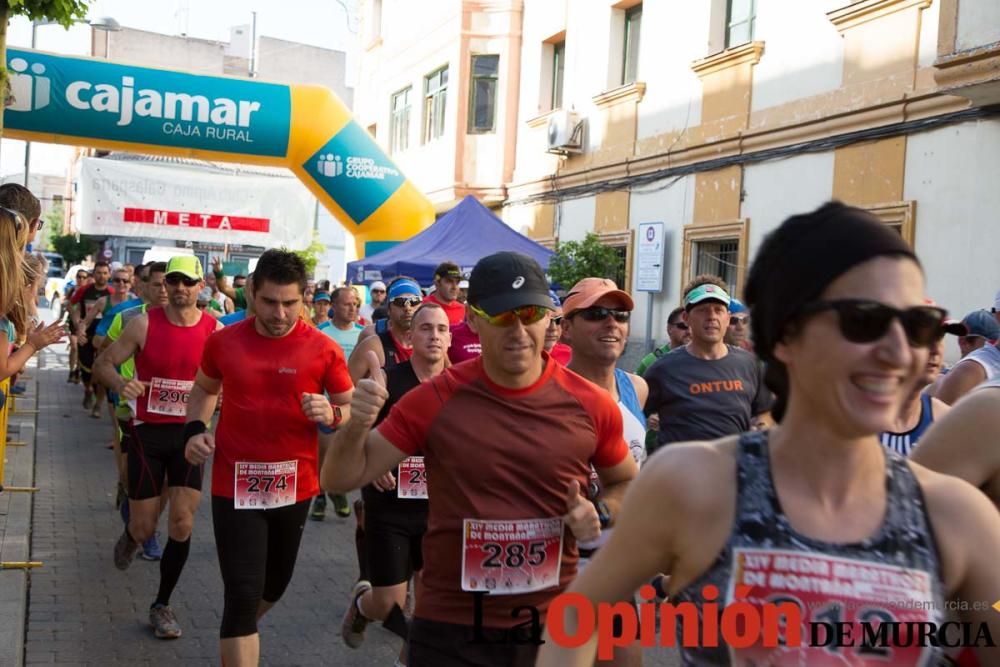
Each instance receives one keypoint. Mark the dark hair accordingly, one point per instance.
(101, 263)
(19, 198)
(239, 276)
(796, 262)
(155, 267)
(281, 267)
(704, 279)
(674, 314)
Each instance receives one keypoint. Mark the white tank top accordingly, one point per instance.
(634, 433)
(988, 356)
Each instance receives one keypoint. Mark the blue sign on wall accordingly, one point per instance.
(355, 172)
(89, 98)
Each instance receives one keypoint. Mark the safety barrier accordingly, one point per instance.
(6, 410)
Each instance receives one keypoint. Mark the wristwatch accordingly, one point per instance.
(603, 513)
(338, 416)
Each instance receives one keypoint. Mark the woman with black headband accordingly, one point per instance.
(814, 521)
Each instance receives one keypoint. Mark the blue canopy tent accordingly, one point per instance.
(464, 235)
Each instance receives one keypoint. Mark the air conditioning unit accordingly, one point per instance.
(565, 134)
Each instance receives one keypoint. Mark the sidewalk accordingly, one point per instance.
(81, 610)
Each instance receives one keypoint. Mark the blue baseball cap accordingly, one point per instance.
(321, 296)
(982, 323)
(737, 306)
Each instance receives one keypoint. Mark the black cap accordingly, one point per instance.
(507, 280)
(448, 270)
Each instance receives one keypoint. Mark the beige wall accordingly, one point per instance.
(415, 39)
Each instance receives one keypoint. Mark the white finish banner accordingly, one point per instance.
(126, 198)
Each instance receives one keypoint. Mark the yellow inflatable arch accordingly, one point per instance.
(112, 106)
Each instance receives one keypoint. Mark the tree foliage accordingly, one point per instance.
(575, 260)
(312, 254)
(63, 12)
(74, 250)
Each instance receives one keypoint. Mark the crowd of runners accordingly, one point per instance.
(497, 444)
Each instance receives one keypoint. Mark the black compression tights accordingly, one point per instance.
(257, 551)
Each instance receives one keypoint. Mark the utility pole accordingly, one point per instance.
(253, 46)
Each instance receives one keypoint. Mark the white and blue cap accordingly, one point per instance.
(707, 292)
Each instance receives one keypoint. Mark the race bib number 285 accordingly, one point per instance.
(508, 557)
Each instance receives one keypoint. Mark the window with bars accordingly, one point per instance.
(483, 93)
(741, 16)
(558, 71)
(630, 57)
(435, 99)
(718, 257)
(399, 121)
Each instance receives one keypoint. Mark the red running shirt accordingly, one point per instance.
(454, 310)
(499, 454)
(167, 363)
(263, 380)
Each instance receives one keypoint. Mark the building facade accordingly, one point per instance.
(720, 118)
(438, 88)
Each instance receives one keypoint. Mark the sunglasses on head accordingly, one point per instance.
(406, 301)
(527, 315)
(680, 325)
(15, 216)
(177, 278)
(739, 319)
(600, 313)
(863, 321)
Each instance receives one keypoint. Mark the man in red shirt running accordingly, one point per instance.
(504, 477)
(273, 368)
(447, 276)
(167, 344)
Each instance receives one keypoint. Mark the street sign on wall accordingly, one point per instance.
(649, 257)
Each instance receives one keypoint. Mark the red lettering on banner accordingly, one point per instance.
(147, 216)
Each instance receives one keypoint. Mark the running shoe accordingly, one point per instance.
(352, 628)
(165, 625)
(341, 506)
(318, 512)
(151, 549)
(125, 549)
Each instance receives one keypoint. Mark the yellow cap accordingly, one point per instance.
(187, 265)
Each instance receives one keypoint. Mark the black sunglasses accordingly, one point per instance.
(599, 313)
(120, 280)
(177, 278)
(681, 325)
(863, 321)
(406, 301)
(555, 320)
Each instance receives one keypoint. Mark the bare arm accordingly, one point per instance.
(357, 454)
(126, 347)
(223, 284)
(960, 381)
(615, 481)
(39, 338)
(960, 444)
(200, 408)
(641, 388)
(357, 365)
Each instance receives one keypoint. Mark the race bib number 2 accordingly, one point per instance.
(265, 486)
(168, 397)
(508, 557)
(832, 590)
(412, 482)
